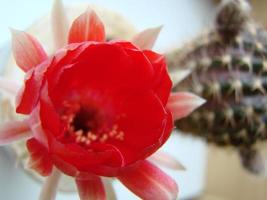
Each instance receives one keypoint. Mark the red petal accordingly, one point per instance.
(144, 119)
(37, 129)
(163, 87)
(182, 104)
(124, 65)
(39, 158)
(146, 38)
(70, 157)
(154, 57)
(87, 27)
(45, 128)
(163, 83)
(13, 131)
(124, 44)
(27, 51)
(64, 167)
(149, 182)
(92, 188)
(28, 95)
(51, 123)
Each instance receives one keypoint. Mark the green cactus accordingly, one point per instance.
(229, 70)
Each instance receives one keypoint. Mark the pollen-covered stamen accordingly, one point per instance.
(87, 125)
(90, 137)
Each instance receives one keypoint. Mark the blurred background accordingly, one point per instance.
(181, 19)
(212, 173)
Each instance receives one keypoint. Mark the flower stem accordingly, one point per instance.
(110, 192)
(49, 189)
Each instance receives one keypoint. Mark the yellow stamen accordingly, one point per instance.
(79, 132)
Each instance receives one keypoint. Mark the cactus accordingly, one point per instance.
(229, 70)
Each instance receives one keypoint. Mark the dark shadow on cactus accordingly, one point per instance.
(229, 70)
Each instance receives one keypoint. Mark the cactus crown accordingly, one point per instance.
(231, 18)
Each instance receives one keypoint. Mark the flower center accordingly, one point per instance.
(87, 125)
(84, 121)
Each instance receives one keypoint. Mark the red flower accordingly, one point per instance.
(98, 108)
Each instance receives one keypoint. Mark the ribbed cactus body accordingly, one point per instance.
(229, 70)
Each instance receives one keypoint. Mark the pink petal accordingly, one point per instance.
(182, 104)
(87, 27)
(147, 38)
(91, 188)
(59, 24)
(27, 51)
(149, 182)
(166, 160)
(179, 75)
(9, 86)
(40, 159)
(28, 95)
(49, 189)
(13, 131)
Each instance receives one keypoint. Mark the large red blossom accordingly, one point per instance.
(97, 108)
(101, 106)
